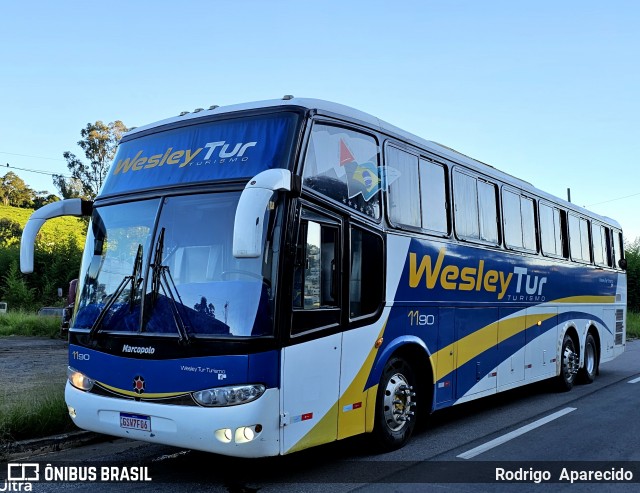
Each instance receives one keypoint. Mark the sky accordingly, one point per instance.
(546, 90)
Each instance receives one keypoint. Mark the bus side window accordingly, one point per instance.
(366, 280)
(519, 221)
(600, 239)
(619, 251)
(316, 265)
(433, 197)
(579, 238)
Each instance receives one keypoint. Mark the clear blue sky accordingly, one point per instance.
(546, 90)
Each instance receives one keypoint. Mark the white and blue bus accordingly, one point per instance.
(263, 278)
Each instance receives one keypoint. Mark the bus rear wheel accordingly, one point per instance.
(587, 373)
(569, 361)
(395, 405)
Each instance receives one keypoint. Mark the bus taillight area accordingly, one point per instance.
(247, 430)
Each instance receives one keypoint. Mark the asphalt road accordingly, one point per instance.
(532, 429)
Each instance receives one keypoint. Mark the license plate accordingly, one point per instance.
(135, 422)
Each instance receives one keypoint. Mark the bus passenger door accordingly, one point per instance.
(311, 362)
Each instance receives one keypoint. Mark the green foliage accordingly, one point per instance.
(58, 253)
(16, 292)
(632, 254)
(39, 413)
(69, 188)
(10, 231)
(52, 231)
(20, 323)
(99, 143)
(44, 198)
(633, 325)
(14, 191)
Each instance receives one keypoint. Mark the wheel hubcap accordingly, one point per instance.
(571, 362)
(398, 402)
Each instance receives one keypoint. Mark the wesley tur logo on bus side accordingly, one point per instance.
(471, 278)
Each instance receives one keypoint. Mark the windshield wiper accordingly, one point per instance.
(135, 281)
(162, 279)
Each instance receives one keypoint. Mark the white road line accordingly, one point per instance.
(514, 434)
(635, 380)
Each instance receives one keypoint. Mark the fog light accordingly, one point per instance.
(223, 435)
(246, 434)
(72, 411)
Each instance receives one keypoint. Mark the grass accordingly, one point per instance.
(28, 324)
(633, 325)
(40, 413)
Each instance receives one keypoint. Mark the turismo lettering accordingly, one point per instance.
(183, 157)
(469, 278)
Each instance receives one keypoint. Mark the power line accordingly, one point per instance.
(35, 157)
(613, 200)
(42, 172)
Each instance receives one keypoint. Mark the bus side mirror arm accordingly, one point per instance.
(67, 207)
(254, 201)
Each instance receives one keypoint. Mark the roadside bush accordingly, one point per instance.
(28, 324)
(632, 254)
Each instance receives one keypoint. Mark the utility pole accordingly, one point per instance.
(568, 195)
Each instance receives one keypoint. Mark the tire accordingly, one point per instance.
(587, 373)
(395, 405)
(569, 360)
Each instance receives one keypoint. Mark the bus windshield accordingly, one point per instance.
(165, 266)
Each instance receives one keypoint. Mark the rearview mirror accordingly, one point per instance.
(68, 207)
(249, 220)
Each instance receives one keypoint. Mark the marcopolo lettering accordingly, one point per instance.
(138, 349)
(183, 157)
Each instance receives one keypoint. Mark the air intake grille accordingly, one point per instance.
(619, 326)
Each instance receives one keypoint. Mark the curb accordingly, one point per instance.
(27, 448)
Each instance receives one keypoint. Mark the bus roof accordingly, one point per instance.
(346, 112)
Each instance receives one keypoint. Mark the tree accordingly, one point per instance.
(16, 291)
(14, 191)
(43, 198)
(632, 254)
(10, 232)
(69, 188)
(99, 143)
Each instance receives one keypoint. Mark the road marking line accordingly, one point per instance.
(514, 434)
(635, 380)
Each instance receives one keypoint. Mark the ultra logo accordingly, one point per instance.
(182, 157)
(472, 278)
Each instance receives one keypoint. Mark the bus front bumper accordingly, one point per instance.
(245, 430)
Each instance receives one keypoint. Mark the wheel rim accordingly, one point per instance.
(398, 402)
(590, 358)
(570, 361)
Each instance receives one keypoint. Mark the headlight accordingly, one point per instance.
(79, 380)
(228, 396)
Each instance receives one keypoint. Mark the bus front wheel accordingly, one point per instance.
(395, 405)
